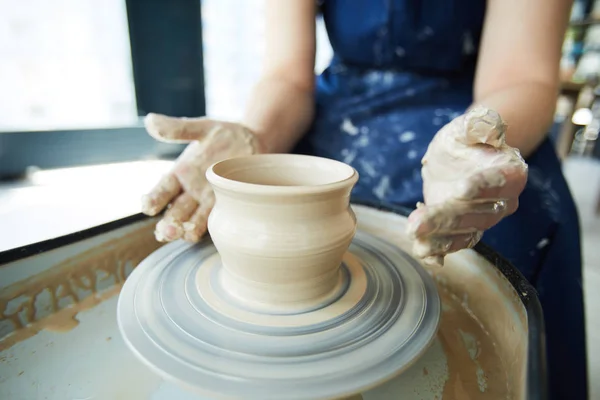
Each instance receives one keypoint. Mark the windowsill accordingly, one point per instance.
(51, 204)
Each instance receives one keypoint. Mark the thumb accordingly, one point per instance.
(177, 130)
(482, 125)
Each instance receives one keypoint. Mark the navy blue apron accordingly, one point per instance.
(401, 70)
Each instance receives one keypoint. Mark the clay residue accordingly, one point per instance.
(483, 331)
(354, 397)
(476, 369)
(52, 299)
(62, 321)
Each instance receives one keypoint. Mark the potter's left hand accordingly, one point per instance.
(471, 180)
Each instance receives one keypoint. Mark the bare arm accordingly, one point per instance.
(517, 72)
(281, 107)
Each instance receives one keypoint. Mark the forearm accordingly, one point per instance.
(528, 110)
(279, 112)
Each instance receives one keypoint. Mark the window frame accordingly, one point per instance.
(168, 74)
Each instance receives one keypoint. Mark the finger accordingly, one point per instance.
(170, 227)
(196, 227)
(506, 181)
(514, 181)
(161, 195)
(433, 261)
(481, 217)
(459, 218)
(484, 126)
(436, 246)
(177, 130)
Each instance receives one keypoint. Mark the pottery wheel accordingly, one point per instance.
(177, 318)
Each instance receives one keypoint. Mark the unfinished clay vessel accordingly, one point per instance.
(281, 224)
(285, 310)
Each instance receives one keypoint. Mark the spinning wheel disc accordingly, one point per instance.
(177, 318)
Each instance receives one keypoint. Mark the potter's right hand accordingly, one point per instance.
(185, 188)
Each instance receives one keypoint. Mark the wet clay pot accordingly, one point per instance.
(281, 224)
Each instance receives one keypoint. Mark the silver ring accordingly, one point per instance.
(499, 206)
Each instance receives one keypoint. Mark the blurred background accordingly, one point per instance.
(76, 80)
(76, 76)
(70, 65)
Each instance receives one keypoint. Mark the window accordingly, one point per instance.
(76, 75)
(65, 65)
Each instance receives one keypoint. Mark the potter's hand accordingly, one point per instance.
(471, 180)
(185, 187)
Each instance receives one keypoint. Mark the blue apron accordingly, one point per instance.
(401, 70)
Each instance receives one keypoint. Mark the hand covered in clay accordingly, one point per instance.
(185, 190)
(471, 180)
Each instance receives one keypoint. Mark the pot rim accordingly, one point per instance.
(217, 177)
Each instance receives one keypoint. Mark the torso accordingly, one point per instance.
(424, 35)
(401, 70)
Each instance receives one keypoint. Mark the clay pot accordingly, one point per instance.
(281, 224)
